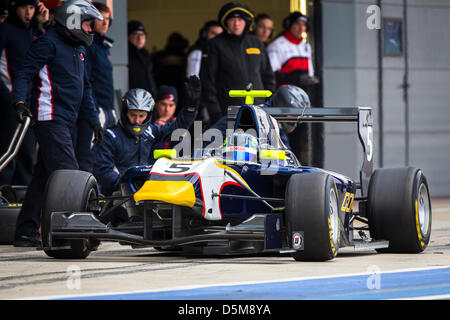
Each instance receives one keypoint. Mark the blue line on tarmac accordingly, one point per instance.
(394, 285)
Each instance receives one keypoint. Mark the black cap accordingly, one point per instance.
(167, 93)
(14, 4)
(293, 17)
(18, 3)
(135, 25)
(235, 9)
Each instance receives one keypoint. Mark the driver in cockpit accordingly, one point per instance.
(241, 147)
(286, 96)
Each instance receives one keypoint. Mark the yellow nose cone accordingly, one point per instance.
(180, 193)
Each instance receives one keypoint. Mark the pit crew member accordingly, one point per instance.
(234, 59)
(130, 142)
(60, 92)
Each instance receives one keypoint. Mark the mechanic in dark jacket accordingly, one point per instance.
(100, 73)
(234, 59)
(100, 68)
(60, 92)
(16, 35)
(210, 29)
(130, 142)
(140, 73)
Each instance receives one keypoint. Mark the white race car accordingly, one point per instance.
(250, 195)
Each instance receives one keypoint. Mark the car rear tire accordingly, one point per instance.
(71, 191)
(312, 212)
(10, 204)
(400, 209)
(8, 218)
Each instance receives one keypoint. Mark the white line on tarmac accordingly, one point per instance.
(189, 287)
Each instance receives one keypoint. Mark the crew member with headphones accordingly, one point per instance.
(195, 56)
(263, 28)
(235, 58)
(290, 55)
(209, 30)
(100, 74)
(290, 58)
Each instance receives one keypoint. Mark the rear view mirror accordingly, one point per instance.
(272, 155)
(249, 95)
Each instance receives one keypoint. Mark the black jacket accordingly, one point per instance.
(15, 40)
(232, 63)
(121, 150)
(100, 71)
(140, 70)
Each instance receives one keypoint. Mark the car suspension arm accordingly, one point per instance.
(244, 185)
(235, 196)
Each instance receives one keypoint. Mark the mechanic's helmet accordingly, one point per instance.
(289, 96)
(72, 13)
(241, 147)
(233, 9)
(136, 99)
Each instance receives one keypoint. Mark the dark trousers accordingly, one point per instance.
(83, 150)
(84, 135)
(299, 141)
(56, 151)
(317, 138)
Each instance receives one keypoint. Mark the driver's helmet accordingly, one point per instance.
(136, 99)
(241, 147)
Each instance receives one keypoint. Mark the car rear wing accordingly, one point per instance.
(360, 115)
